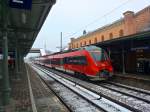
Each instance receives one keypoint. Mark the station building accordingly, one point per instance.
(127, 41)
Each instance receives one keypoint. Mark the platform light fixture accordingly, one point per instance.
(24, 36)
(24, 18)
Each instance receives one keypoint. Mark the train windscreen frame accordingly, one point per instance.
(98, 54)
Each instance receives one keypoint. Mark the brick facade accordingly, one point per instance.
(131, 23)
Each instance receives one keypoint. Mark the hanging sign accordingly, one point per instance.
(140, 48)
(21, 4)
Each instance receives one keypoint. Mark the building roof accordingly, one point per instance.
(24, 25)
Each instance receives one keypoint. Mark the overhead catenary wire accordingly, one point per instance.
(99, 18)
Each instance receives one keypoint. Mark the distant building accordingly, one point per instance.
(132, 23)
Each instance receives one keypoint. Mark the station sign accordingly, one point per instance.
(140, 48)
(21, 4)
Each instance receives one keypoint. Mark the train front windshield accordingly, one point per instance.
(98, 54)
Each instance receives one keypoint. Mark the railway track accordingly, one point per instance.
(129, 91)
(129, 87)
(95, 99)
(135, 101)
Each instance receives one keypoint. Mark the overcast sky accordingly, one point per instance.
(71, 17)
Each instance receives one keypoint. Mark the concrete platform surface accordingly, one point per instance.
(135, 80)
(30, 94)
(45, 100)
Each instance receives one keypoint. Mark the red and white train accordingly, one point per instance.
(90, 61)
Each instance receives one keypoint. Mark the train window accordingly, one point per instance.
(61, 61)
(64, 60)
(83, 60)
(77, 60)
(57, 61)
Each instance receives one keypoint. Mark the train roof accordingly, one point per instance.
(88, 47)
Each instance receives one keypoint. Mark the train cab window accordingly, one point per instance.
(97, 53)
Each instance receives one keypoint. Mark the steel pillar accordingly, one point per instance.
(20, 60)
(1, 69)
(16, 62)
(61, 42)
(109, 52)
(5, 76)
(5, 79)
(123, 61)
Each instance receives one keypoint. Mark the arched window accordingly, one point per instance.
(102, 37)
(80, 44)
(89, 41)
(85, 43)
(77, 45)
(95, 40)
(110, 36)
(121, 33)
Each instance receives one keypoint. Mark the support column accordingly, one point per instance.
(61, 42)
(16, 62)
(1, 103)
(109, 52)
(20, 61)
(0, 68)
(123, 60)
(5, 76)
(6, 88)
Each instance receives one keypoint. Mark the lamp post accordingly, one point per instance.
(61, 42)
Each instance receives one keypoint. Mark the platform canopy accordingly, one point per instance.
(23, 25)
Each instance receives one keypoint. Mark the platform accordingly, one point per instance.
(29, 94)
(135, 80)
